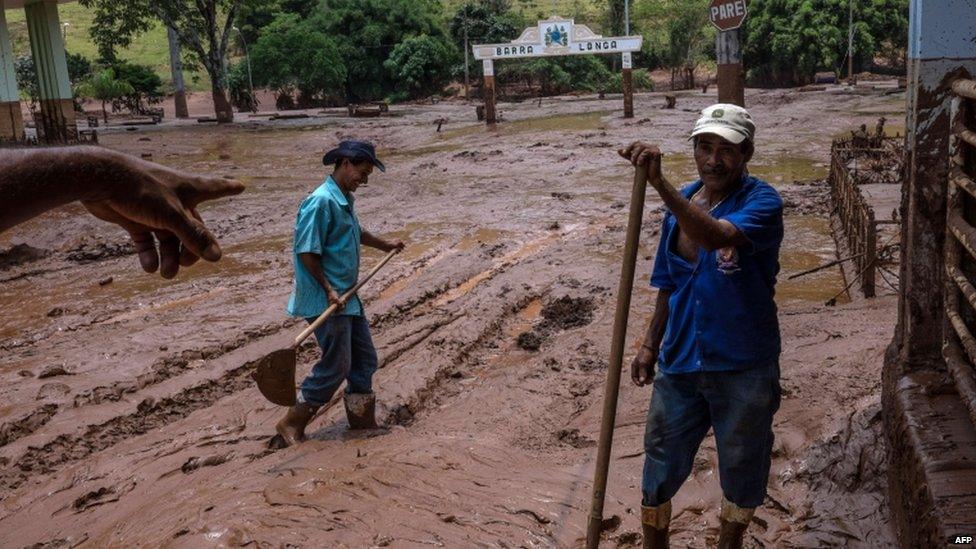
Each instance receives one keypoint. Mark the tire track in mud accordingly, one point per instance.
(160, 371)
(173, 366)
(150, 415)
(13, 430)
(431, 391)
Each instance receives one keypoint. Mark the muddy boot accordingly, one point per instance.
(292, 426)
(734, 521)
(655, 521)
(361, 410)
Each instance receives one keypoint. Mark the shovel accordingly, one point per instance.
(275, 373)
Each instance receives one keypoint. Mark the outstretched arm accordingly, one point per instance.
(695, 222)
(144, 198)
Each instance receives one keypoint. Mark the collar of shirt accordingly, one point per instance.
(334, 190)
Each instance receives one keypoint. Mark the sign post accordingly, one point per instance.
(628, 85)
(727, 16)
(556, 37)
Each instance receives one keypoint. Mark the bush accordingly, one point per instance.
(641, 78)
(558, 75)
(240, 89)
(146, 86)
(296, 56)
(419, 66)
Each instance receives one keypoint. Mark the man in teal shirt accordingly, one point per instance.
(326, 255)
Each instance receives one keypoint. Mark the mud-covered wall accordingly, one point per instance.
(931, 449)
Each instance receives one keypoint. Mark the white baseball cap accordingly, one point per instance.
(728, 121)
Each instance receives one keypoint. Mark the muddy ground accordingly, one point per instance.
(128, 417)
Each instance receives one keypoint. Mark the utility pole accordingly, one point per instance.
(467, 81)
(626, 17)
(250, 80)
(850, 41)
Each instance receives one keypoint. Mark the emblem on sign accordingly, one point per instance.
(557, 35)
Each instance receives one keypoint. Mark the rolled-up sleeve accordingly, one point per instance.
(311, 226)
(760, 219)
(661, 275)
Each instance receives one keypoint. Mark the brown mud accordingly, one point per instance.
(129, 419)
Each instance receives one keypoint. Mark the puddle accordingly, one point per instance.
(557, 123)
(807, 244)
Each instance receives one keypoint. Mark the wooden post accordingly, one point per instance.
(612, 389)
(870, 254)
(628, 84)
(731, 82)
(489, 92)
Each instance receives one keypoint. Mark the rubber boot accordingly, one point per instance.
(292, 426)
(361, 410)
(734, 521)
(655, 522)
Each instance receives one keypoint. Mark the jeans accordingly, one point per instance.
(739, 405)
(347, 354)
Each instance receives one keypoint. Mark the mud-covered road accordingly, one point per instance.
(128, 417)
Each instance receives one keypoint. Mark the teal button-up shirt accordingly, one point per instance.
(326, 225)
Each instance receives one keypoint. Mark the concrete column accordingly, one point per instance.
(628, 85)
(11, 120)
(931, 440)
(57, 124)
(731, 80)
(942, 47)
(489, 92)
(176, 66)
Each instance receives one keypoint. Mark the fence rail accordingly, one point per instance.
(959, 349)
(856, 215)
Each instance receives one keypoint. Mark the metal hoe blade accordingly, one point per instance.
(275, 376)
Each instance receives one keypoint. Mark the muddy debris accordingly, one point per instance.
(13, 430)
(19, 254)
(88, 253)
(573, 438)
(106, 281)
(52, 391)
(94, 498)
(54, 370)
(568, 312)
(529, 341)
(195, 463)
(56, 312)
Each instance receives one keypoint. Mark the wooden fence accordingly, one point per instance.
(856, 214)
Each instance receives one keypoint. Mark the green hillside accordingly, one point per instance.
(151, 48)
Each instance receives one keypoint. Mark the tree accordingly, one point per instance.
(678, 34)
(296, 55)
(420, 66)
(145, 84)
(105, 87)
(787, 41)
(366, 32)
(203, 27)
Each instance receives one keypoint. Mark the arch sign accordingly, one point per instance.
(555, 37)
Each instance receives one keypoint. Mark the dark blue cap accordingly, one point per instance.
(353, 149)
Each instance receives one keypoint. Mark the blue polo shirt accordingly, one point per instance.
(722, 312)
(326, 225)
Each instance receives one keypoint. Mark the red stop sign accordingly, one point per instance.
(727, 14)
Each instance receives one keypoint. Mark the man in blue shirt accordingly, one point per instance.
(714, 334)
(326, 257)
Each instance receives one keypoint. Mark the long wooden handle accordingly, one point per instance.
(612, 389)
(345, 297)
